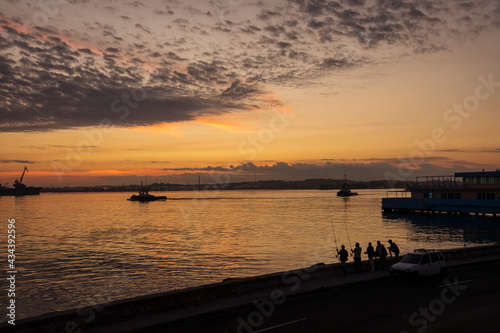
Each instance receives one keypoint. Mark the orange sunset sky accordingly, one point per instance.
(110, 92)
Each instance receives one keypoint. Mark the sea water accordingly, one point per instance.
(79, 249)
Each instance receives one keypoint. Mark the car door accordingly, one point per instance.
(425, 265)
(436, 263)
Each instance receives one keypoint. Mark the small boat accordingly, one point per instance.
(144, 196)
(345, 191)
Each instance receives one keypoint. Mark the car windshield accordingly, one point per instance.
(411, 259)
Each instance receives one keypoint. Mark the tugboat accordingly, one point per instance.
(144, 196)
(19, 189)
(345, 191)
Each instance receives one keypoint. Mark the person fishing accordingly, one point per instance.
(343, 256)
(393, 248)
(381, 254)
(371, 254)
(357, 257)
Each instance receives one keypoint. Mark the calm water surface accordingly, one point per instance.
(79, 249)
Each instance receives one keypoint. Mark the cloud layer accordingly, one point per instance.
(139, 64)
(360, 171)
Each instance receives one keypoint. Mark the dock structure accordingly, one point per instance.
(464, 193)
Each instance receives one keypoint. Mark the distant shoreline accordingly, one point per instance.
(308, 184)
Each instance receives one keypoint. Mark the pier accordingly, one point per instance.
(441, 206)
(464, 193)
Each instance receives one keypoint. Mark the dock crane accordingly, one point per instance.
(19, 188)
(22, 176)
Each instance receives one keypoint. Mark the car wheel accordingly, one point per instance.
(442, 272)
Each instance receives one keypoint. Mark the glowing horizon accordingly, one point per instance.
(113, 93)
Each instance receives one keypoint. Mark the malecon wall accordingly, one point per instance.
(71, 322)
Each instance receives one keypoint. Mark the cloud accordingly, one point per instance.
(197, 59)
(497, 150)
(272, 170)
(370, 169)
(43, 147)
(61, 87)
(17, 161)
(239, 90)
(275, 170)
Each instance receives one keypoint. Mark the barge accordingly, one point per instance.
(464, 193)
(19, 188)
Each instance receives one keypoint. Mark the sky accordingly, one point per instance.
(106, 93)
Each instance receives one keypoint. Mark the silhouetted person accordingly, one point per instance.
(393, 248)
(357, 257)
(371, 254)
(343, 255)
(381, 254)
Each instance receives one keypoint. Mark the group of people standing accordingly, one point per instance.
(379, 252)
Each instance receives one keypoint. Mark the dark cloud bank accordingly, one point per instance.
(54, 86)
(292, 171)
(47, 84)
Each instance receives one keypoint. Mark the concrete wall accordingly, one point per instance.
(471, 252)
(444, 205)
(78, 320)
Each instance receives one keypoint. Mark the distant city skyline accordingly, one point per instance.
(109, 93)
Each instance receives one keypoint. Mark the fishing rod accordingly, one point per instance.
(402, 250)
(335, 238)
(345, 223)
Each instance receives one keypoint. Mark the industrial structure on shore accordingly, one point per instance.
(19, 189)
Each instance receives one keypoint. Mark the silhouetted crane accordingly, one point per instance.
(19, 188)
(22, 176)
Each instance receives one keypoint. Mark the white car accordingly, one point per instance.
(420, 263)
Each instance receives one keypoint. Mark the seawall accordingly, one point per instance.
(448, 206)
(91, 317)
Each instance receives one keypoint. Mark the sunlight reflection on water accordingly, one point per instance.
(74, 247)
